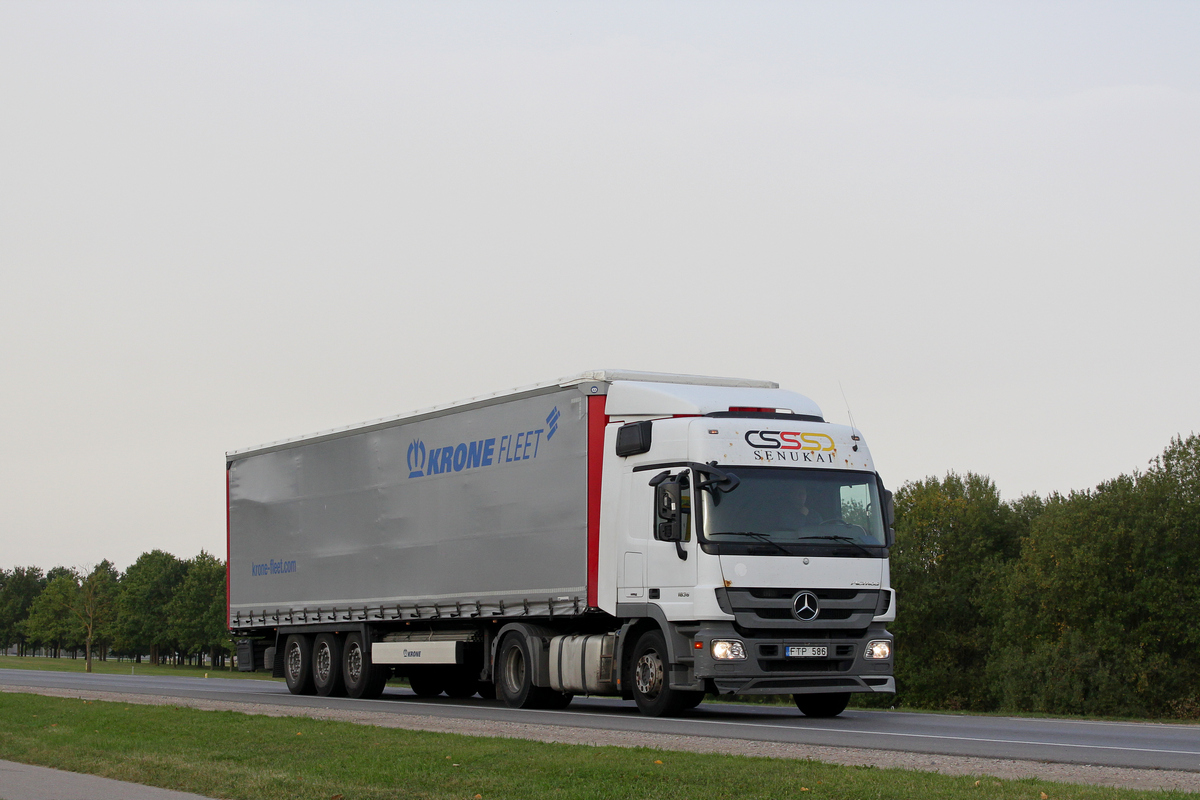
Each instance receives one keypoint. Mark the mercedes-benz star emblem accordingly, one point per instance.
(806, 607)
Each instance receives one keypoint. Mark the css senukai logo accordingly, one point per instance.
(791, 440)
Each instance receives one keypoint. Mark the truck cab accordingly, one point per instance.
(755, 535)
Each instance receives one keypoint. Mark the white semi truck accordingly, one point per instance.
(651, 536)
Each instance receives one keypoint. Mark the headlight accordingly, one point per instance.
(880, 648)
(728, 649)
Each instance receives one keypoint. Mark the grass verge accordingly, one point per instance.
(122, 668)
(232, 755)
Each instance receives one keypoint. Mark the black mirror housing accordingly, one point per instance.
(668, 500)
(634, 439)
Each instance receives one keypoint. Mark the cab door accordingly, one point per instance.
(670, 562)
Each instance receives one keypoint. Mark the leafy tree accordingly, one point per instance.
(1101, 608)
(57, 572)
(49, 621)
(94, 605)
(108, 578)
(145, 592)
(197, 613)
(17, 594)
(954, 538)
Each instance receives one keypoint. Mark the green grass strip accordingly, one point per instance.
(114, 667)
(228, 754)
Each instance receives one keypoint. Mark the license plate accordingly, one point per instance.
(805, 651)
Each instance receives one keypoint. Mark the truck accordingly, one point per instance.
(650, 536)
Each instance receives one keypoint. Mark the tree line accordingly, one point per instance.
(162, 607)
(1084, 603)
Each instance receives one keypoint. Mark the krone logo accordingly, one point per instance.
(806, 607)
(416, 459)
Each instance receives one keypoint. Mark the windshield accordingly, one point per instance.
(786, 507)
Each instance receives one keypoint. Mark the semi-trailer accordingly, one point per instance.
(656, 537)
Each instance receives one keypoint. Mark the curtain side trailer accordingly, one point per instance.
(650, 536)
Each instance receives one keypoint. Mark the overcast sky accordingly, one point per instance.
(227, 223)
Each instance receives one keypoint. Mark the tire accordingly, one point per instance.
(514, 673)
(651, 674)
(363, 679)
(821, 706)
(297, 664)
(426, 685)
(514, 678)
(327, 666)
(462, 683)
(487, 690)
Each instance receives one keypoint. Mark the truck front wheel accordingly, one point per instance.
(327, 666)
(297, 664)
(822, 705)
(363, 679)
(651, 677)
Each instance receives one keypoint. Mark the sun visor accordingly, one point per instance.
(637, 399)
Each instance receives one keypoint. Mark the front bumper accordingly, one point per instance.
(767, 670)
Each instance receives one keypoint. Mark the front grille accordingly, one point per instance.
(771, 609)
(823, 594)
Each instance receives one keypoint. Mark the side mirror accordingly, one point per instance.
(889, 510)
(668, 499)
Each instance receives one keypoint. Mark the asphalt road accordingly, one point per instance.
(1115, 744)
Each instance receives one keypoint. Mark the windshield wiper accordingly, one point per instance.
(845, 539)
(762, 537)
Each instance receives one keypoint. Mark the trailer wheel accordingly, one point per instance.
(651, 676)
(297, 664)
(327, 666)
(363, 679)
(821, 705)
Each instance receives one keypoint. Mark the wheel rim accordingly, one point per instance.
(295, 660)
(514, 670)
(648, 676)
(323, 662)
(354, 662)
